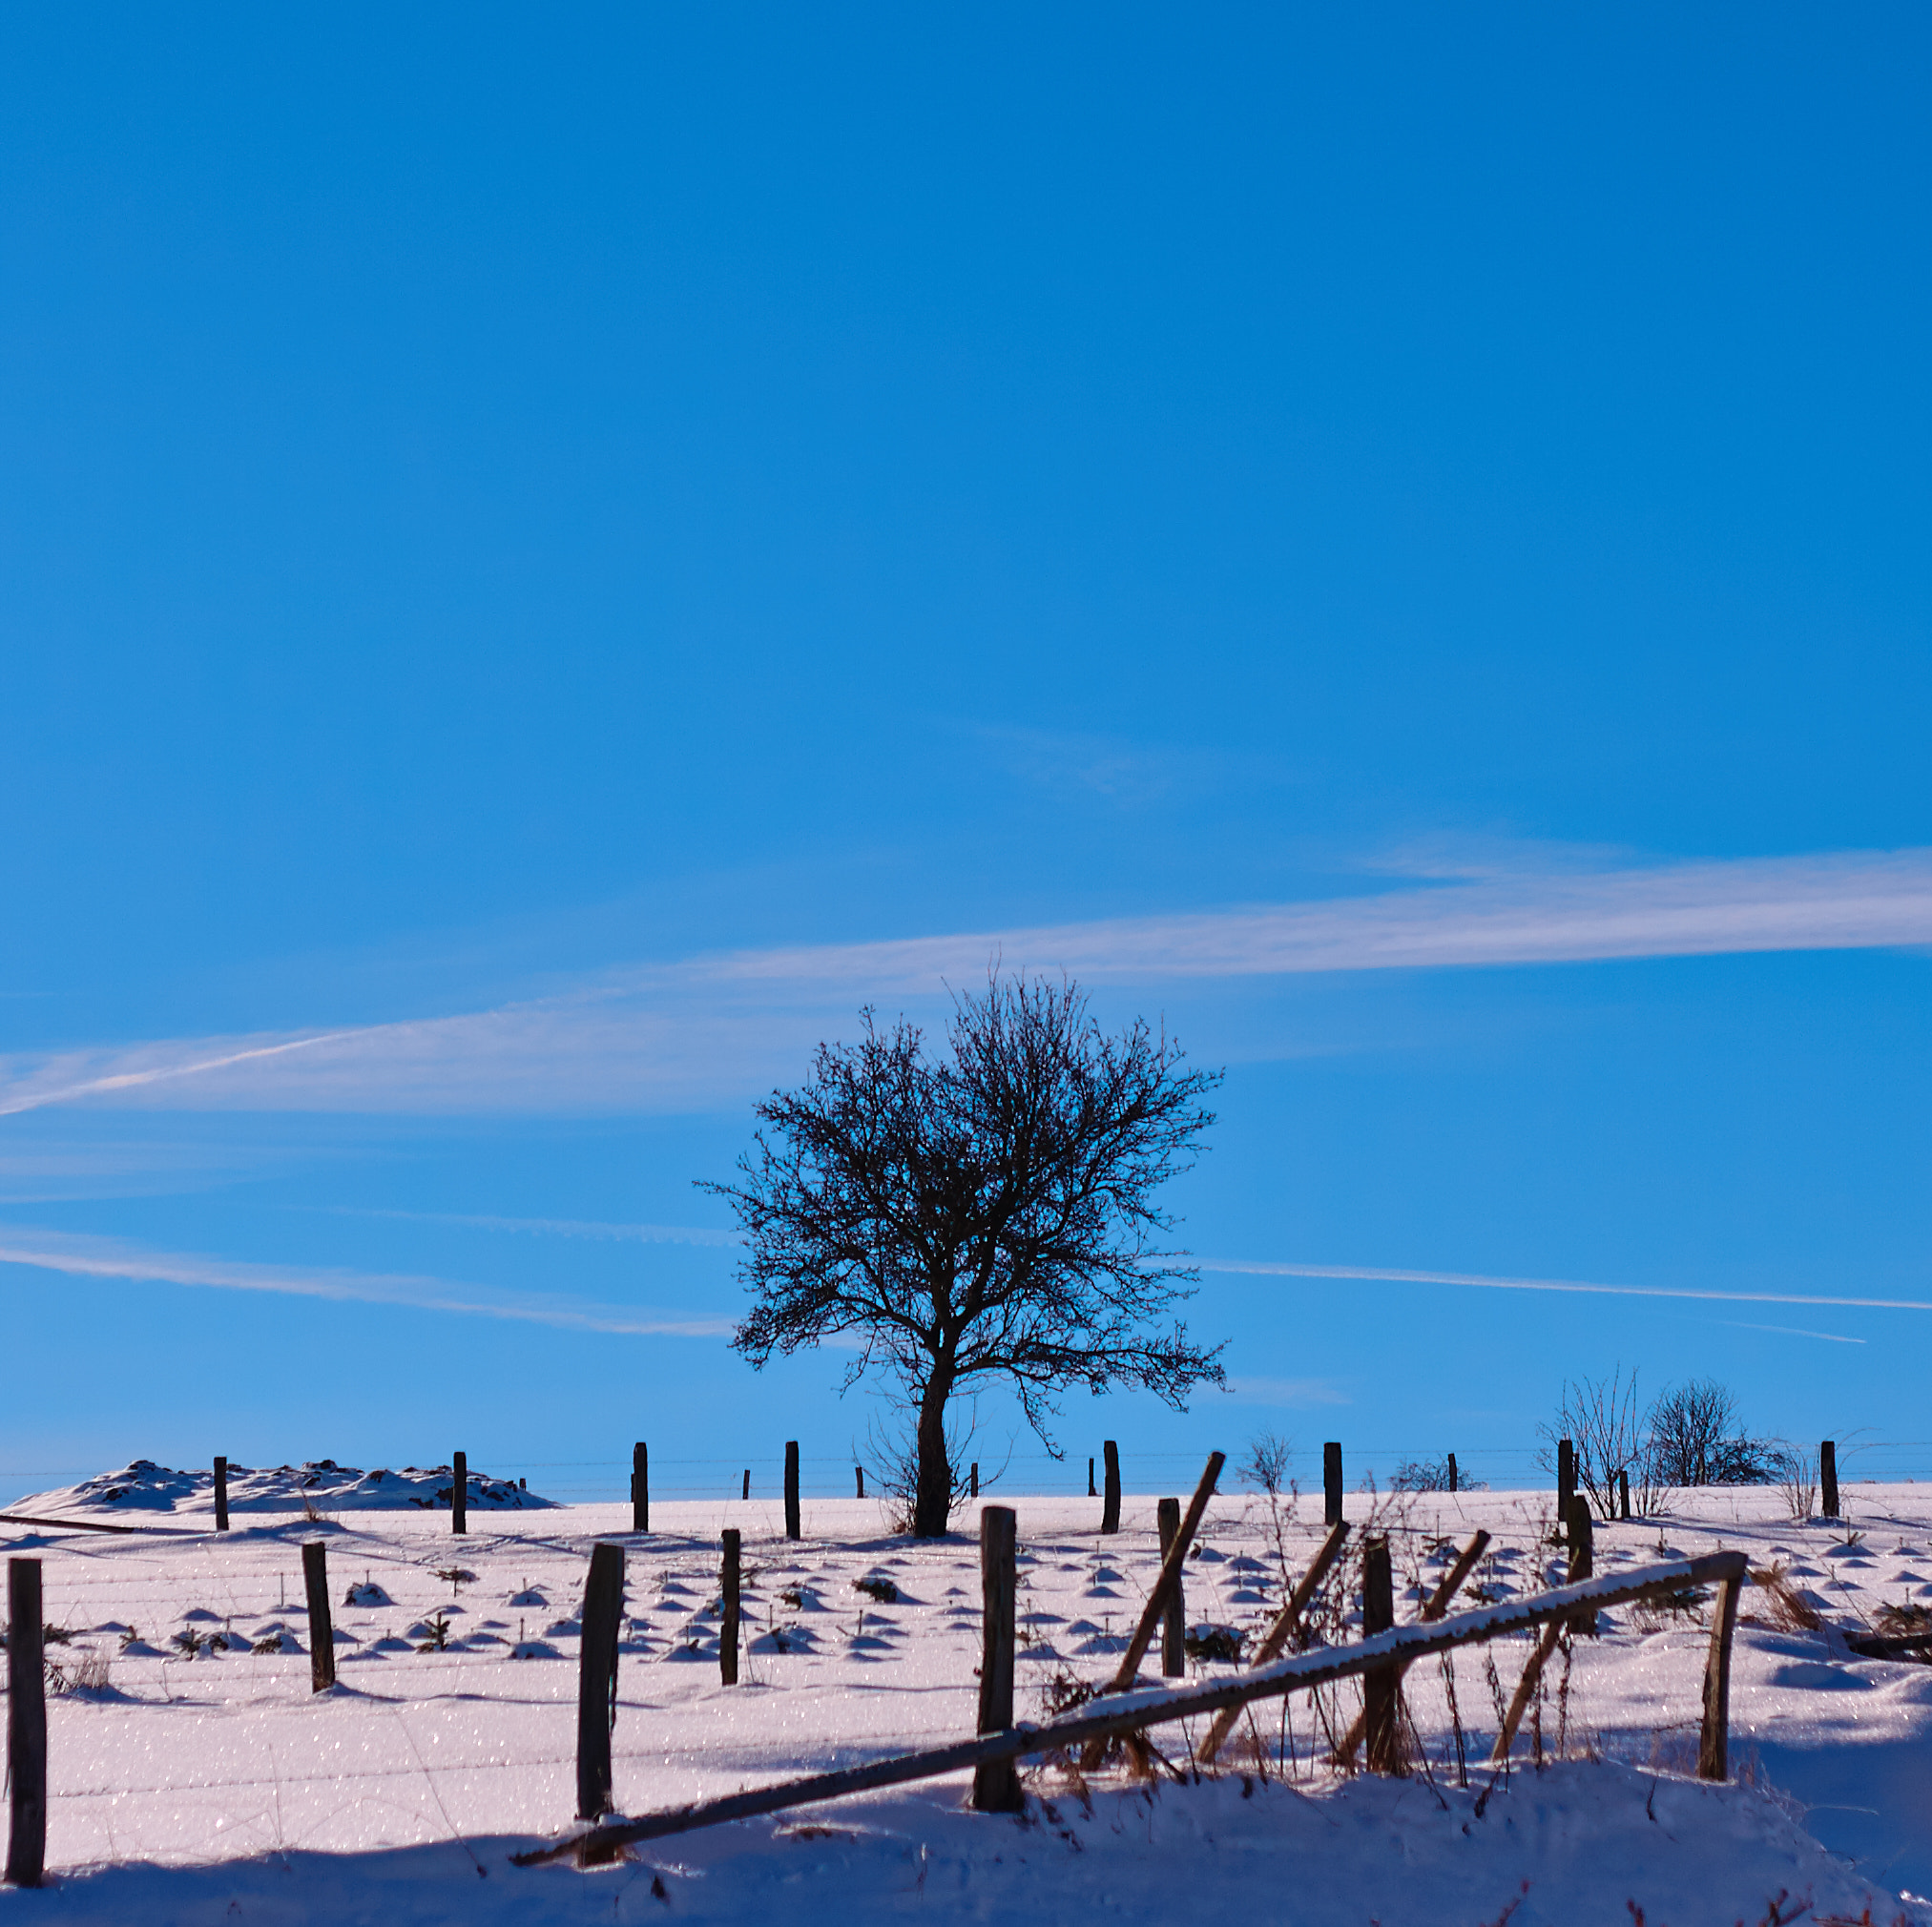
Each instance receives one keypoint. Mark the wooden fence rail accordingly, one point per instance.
(1130, 1713)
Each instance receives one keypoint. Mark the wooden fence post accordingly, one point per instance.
(996, 1784)
(1624, 1493)
(1109, 1503)
(640, 1487)
(1828, 1477)
(597, 1678)
(793, 1529)
(746, 1493)
(1331, 1483)
(727, 1630)
(322, 1626)
(1379, 1688)
(1582, 1558)
(858, 1474)
(973, 1479)
(1173, 1626)
(25, 1724)
(459, 1492)
(1092, 1490)
(1452, 1471)
(221, 1495)
(1713, 1737)
(1566, 1481)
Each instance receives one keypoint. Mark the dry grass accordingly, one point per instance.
(1779, 1606)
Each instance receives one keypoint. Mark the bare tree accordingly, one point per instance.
(985, 1215)
(1695, 1440)
(1599, 1417)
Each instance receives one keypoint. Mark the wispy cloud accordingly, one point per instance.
(1788, 1332)
(693, 1035)
(1298, 1393)
(562, 1228)
(97, 1257)
(1376, 1275)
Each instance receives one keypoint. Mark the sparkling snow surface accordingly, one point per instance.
(206, 1755)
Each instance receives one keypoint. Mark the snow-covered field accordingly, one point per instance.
(203, 1781)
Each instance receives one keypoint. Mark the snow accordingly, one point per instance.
(320, 1486)
(205, 1772)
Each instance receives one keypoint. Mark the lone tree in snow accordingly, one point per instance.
(985, 1213)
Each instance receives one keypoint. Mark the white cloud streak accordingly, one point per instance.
(1373, 1275)
(708, 1032)
(562, 1228)
(97, 1258)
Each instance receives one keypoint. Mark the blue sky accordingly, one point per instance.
(548, 559)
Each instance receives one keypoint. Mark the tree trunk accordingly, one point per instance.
(932, 1500)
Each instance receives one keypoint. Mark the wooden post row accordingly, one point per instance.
(728, 1621)
(322, 1626)
(25, 1724)
(597, 1679)
(996, 1784)
(1828, 1477)
(221, 1495)
(459, 1492)
(640, 1487)
(1173, 1625)
(793, 1529)
(1331, 1483)
(1110, 1503)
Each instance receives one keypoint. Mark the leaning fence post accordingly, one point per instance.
(1174, 1657)
(727, 1629)
(221, 1495)
(597, 1678)
(25, 1724)
(640, 1487)
(1828, 1477)
(1566, 1481)
(1582, 1559)
(459, 1492)
(1379, 1687)
(996, 1783)
(1109, 1504)
(1331, 1483)
(1713, 1737)
(322, 1628)
(793, 1529)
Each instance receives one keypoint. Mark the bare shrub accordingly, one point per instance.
(1694, 1439)
(1797, 1473)
(1599, 1417)
(1431, 1475)
(1265, 1468)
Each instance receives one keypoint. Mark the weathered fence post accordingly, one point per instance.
(1109, 1504)
(859, 1474)
(1173, 1657)
(1582, 1558)
(459, 1492)
(996, 1783)
(746, 1493)
(793, 1529)
(1092, 1490)
(1713, 1737)
(1331, 1483)
(1452, 1471)
(1566, 1481)
(322, 1626)
(1379, 1688)
(597, 1678)
(1828, 1477)
(727, 1629)
(25, 1724)
(1624, 1493)
(640, 1487)
(973, 1479)
(221, 1495)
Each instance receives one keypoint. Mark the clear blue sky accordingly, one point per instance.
(548, 556)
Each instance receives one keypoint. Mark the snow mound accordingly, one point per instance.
(145, 1486)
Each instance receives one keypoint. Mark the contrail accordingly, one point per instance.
(1373, 1275)
(128, 1079)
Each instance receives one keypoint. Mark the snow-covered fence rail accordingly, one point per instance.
(1133, 1711)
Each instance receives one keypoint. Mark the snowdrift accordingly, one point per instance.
(323, 1484)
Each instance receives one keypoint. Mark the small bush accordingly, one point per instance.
(878, 1588)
